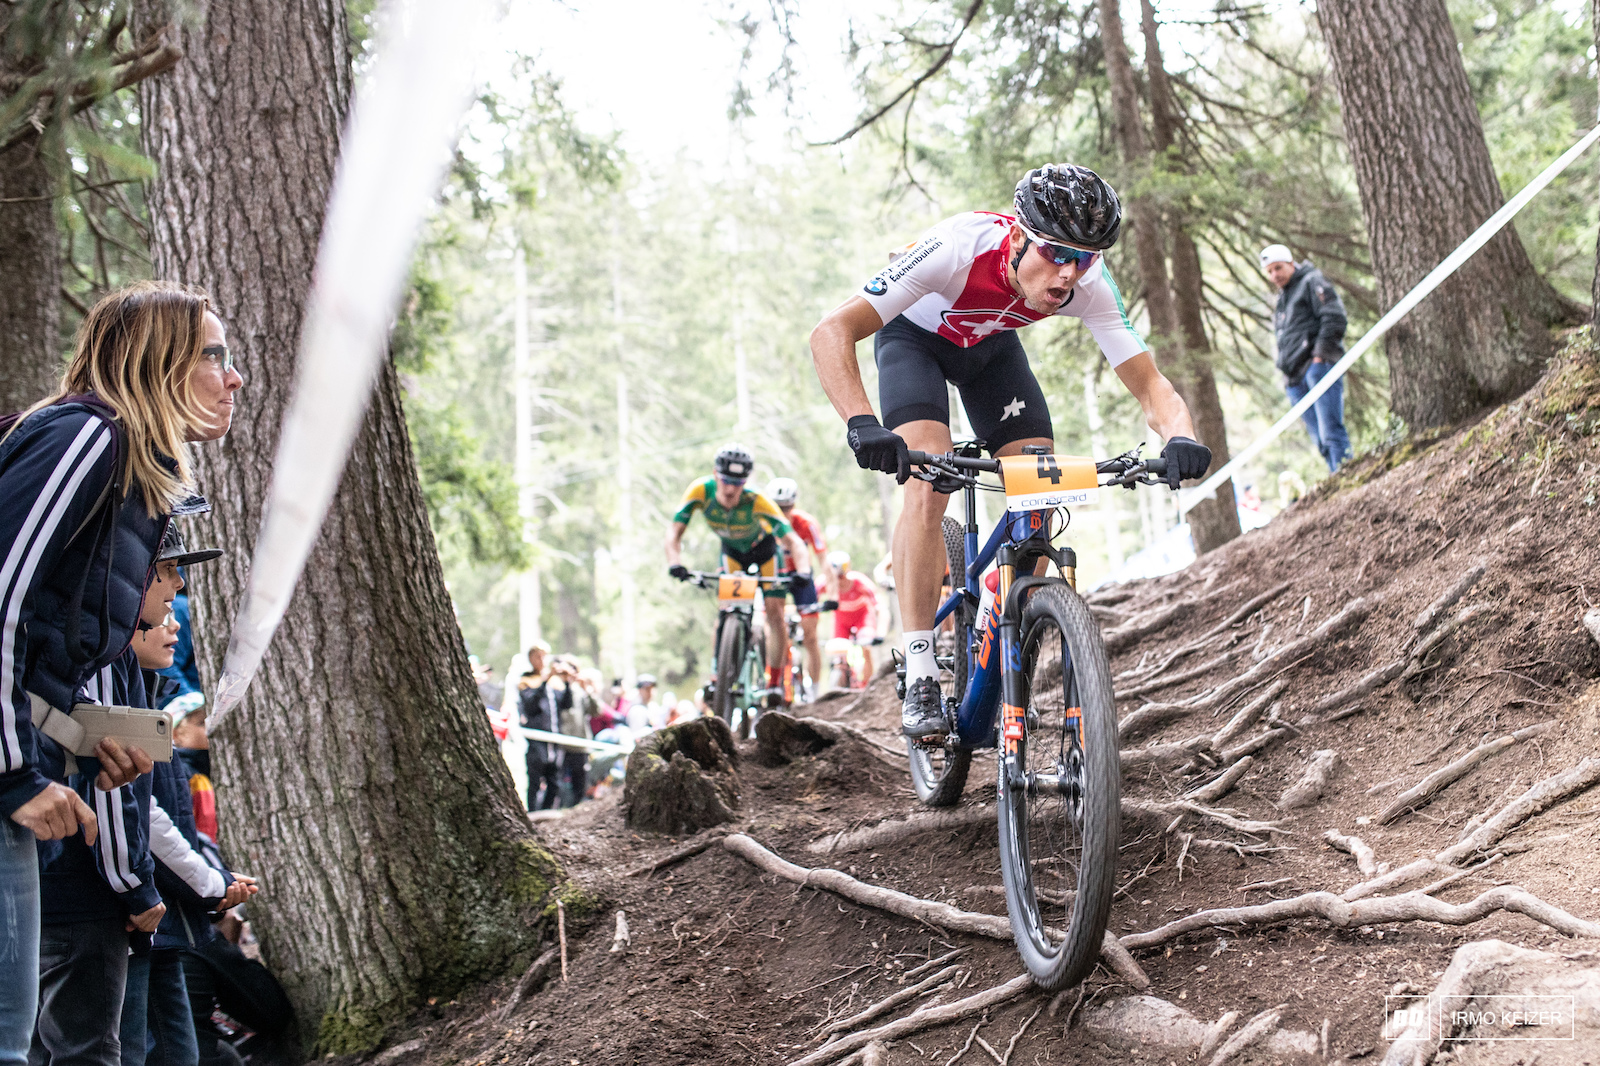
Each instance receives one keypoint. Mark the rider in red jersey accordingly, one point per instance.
(785, 492)
(856, 617)
(948, 311)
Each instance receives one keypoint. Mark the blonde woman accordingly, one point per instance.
(89, 479)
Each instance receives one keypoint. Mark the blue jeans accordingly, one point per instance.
(157, 1028)
(19, 941)
(1325, 418)
(83, 967)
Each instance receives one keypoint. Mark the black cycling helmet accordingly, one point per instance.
(1071, 204)
(733, 461)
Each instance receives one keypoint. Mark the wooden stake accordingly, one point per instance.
(561, 932)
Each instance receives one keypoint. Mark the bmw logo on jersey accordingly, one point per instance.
(877, 286)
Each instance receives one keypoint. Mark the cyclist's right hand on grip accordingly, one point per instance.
(679, 571)
(879, 449)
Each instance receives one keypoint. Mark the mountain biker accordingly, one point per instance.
(784, 492)
(856, 616)
(751, 528)
(947, 311)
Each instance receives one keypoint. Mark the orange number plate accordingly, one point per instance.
(1038, 481)
(736, 589)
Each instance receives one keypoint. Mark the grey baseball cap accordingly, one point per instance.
(173, 550)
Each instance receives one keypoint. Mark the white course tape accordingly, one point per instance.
(1207, 488)
(562, 740)
(391, 162)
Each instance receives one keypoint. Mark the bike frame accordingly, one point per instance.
(989, 685)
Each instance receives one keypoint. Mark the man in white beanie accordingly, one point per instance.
(1309, 322)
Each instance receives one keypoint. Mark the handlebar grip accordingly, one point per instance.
(1156, 466)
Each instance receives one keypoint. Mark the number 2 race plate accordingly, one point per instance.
(735, 589)
(1038, 481)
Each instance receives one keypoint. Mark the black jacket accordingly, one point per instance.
(1309, 321)
(74, 563)
(540, 707)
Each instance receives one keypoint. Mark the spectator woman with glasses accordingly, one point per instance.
(89, 479)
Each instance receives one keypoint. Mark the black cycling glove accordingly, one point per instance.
(1185, 459)
(679, 571)
(879, 449)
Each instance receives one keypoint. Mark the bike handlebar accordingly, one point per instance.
(708, 579)
(1126, 469)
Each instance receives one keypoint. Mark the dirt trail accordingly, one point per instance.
(727, 965)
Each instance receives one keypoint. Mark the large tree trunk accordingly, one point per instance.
(359, 779)
(1426, 183)
(30, 263)
(1213, 522)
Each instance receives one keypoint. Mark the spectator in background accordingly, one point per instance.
(643, 711)
(1309, 323)
(574, 718)
(540, 702)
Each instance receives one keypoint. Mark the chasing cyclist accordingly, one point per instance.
(784, 492)
(856, 616)
(751, 528)
(948, 310)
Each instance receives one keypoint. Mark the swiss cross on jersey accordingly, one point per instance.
(955, 282)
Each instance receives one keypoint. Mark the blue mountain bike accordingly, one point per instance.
(1023, 670)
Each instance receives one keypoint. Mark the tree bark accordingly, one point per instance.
(360, 779)
(1594, 293)
(1213, 522)
(1427, 182)
(30, 263)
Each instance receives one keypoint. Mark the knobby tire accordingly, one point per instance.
(730, 661)
(1058, 855)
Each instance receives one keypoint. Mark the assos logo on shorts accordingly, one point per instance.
(917, 647)
(877, 286)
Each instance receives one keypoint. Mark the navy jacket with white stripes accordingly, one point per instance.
(116, 877)
(53, 470)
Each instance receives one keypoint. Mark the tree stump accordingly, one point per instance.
(782, 738)
(683, 779)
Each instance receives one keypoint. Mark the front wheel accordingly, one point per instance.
(1060, 794)
(730, 696)
(752, 679)
(939, 774)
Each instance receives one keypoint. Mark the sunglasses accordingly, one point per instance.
(1062, 254)
(731, 480)
(220, 355)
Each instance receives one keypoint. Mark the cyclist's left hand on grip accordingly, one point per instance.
(1185, 459)
(679, 571)
(879, 449)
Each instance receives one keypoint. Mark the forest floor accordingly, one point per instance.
(729, 964)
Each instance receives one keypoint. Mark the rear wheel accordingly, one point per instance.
(939, 774)
(730, 662)
(1060, 812)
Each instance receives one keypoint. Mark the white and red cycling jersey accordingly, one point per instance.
(954, 282)
(858, 605)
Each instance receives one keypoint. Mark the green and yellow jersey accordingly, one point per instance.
(741, 526)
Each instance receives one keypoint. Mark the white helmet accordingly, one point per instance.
(783, 491)
(839, 560)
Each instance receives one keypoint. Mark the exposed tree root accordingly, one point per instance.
(1247, 715)
(939, 915)
(1256, 1031)
(1125, 635)
(1410, 907)
(1249, 608)
(1350, 617)
(1427, 644)
(1259, 742)
(529, 982)
(1175, 810)
(1546, 793)
(1422, 794)
(926, 1018)
(688, 851)
(1223, 785)
(896, 829)
(1312, 783)
(1463, 585)
(1366, 862)
(1369, 683)
(1172, 754)
(889, 1003)
(1160, 682)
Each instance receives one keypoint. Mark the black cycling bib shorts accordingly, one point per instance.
(1003, 399)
